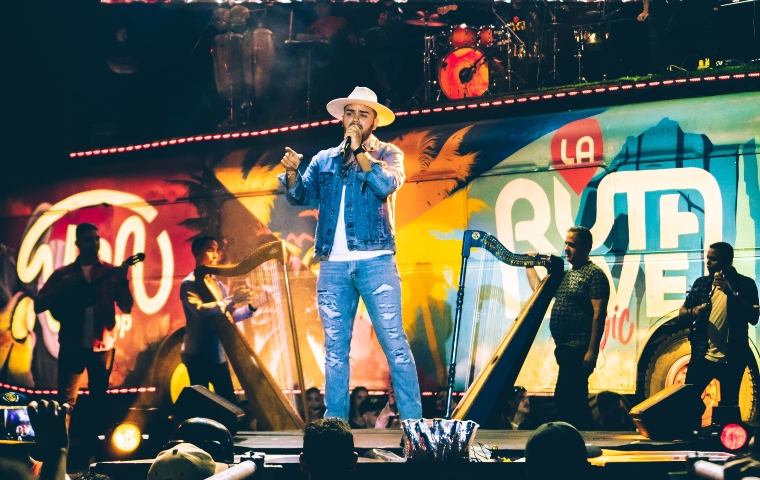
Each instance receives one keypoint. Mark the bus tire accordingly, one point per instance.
(668, 366)
(167, 369)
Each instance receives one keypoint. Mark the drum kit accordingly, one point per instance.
(473, 61)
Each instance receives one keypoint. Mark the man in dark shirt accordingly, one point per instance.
(83, 297)
(720, 306)
(577, 325)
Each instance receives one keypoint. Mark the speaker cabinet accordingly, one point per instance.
(673, 413)
(198, 401)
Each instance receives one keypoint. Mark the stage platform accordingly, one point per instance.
(495, 454)
(507, 441)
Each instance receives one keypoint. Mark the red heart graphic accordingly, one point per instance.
(577, 150)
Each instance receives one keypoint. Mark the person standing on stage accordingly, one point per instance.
(658, 14)
(577, 325)
(720, 306)
(355, 184)
(81, 296)
(202, 353)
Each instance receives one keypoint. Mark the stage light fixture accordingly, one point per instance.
(734, 436)
(126, 437)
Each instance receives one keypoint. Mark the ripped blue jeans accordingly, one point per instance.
(377, 282)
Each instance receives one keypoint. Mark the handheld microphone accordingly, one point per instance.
(346, 146)
(712, 290)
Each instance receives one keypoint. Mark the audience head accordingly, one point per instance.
(184, 461)
(369, 410)
(614, 412)
(328, 449)
(315, 403)
(358, 394)
(440, 402)
(520, 402)
(556, 448)
(208, 435)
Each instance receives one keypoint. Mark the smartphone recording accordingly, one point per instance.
(16, 425)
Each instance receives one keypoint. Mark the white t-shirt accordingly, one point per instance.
(717, 331)
(340, 251)
(88, 334)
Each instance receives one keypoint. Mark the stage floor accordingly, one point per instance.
(502, 440)
(495, 454)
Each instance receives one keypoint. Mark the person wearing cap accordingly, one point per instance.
(555, 449)
(184, 461)
(355, 184)
(370, 410)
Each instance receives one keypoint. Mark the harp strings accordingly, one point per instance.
(489, 323)
(267, 331)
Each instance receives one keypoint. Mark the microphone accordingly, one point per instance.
(346, 146)
(713, 288)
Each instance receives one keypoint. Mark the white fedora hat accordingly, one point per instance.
(363, 96)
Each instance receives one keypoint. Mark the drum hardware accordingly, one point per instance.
(587, 36)
(579, 56)
(553, 74)
(510, 33)
(309, 46)
(554, 27)
(426, 20)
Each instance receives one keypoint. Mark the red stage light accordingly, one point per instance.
(733, 436)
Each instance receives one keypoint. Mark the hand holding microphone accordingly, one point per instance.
(353, 139)
(720, 282)
(346, 147)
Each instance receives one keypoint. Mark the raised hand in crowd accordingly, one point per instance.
(48, 420)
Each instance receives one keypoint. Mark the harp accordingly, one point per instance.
(263, 375)
(500, 371)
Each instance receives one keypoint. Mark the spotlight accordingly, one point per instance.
(126, 437)
(730, 431)
(139, 435)
(734, 436)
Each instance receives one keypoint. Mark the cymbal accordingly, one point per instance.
(425, 19)
(425, 22)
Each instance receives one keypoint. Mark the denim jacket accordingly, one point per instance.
(370, 196)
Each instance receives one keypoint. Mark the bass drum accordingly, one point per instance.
(463, 73)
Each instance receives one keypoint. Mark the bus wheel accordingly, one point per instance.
(169, 374)
(669, 364)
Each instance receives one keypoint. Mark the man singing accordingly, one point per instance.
(721, 306)
(355, 183)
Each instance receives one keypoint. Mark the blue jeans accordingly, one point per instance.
(377, 282)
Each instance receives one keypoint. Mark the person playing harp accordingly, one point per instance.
(577, 325)
(356, 186)
(202, 352)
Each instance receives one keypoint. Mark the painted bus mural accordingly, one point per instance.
(656, 182)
